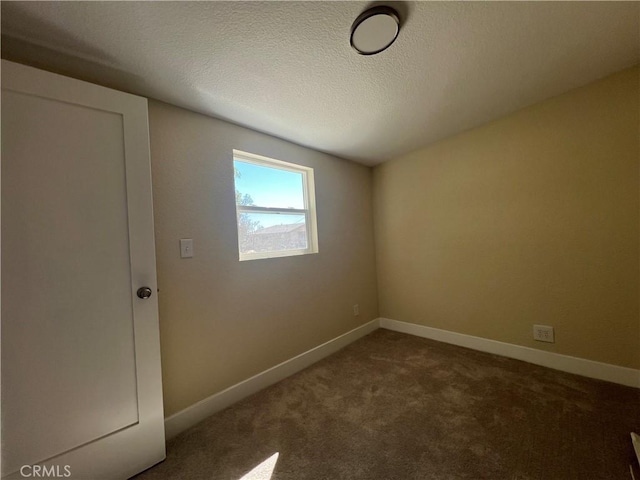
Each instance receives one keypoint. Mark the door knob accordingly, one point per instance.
(144, 292)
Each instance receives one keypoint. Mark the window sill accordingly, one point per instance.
(284, 253)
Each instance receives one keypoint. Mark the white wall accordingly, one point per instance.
(222, 320)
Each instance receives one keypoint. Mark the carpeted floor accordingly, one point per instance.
(394, 406)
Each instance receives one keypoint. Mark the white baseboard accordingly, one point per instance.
(565, 363)
(180, 421)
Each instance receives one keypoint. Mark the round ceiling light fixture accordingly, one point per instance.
(375, 30)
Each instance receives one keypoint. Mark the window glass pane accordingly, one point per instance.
(271, 232)
(268, 187)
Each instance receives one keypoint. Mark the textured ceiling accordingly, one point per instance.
(286, 68)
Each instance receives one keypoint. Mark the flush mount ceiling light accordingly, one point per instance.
(375, 30)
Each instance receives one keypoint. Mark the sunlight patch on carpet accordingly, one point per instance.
(264, 470)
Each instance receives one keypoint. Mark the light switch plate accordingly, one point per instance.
(186, 247)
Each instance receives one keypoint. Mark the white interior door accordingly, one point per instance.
(81, 381)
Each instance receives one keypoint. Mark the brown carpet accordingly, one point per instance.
(394, 406)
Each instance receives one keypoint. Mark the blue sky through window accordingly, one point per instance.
(270, 187)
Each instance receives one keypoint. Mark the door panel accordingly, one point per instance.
(80, 351)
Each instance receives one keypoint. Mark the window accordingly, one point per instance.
(275, 207)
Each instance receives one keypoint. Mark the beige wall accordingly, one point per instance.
(533, 218)
(221, 320)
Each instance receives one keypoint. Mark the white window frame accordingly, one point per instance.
(309, 210)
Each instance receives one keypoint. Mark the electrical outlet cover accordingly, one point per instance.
(543, 333)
